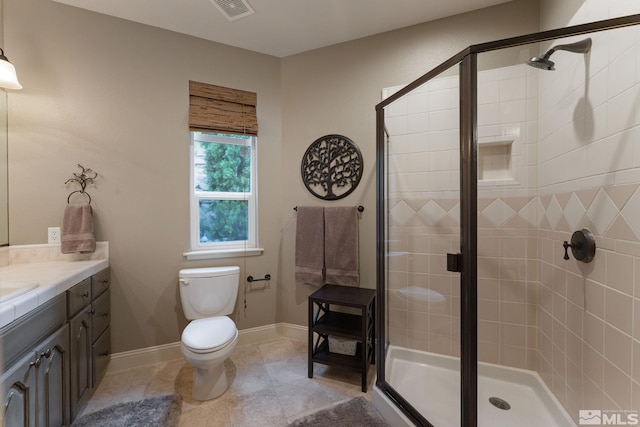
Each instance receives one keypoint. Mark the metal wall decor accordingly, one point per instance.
(83, 178)
(332, 167)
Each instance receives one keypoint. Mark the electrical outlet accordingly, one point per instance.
(54, 235)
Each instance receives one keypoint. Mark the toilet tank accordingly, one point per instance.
(208, 292)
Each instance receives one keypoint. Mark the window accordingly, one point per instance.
(224, 127)
(223, 192)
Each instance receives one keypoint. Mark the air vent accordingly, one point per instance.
(233, 9)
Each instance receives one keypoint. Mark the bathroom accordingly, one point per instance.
(85, 73)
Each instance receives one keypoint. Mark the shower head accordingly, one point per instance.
(544, 63)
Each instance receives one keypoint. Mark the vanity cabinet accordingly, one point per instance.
(90, 344)
(80, 351)
(34, 382)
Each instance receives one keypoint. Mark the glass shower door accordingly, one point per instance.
(421, 203)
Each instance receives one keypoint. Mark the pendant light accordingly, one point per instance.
(8, 78)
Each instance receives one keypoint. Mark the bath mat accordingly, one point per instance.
(155, 411)
(356, 412)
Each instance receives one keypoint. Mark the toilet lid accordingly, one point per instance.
(210, 334)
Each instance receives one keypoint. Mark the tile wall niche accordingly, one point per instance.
(575, 162)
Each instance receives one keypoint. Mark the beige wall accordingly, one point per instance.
(112, 95)
(335, 90)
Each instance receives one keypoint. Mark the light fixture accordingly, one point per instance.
(8, 78)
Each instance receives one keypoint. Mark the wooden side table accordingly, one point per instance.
(323, 323)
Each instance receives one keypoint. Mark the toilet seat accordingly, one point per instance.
(209, 334)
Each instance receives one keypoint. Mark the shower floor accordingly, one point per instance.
(431, 383)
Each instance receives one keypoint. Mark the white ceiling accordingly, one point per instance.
(283, 27)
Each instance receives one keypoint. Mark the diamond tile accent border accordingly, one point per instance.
(602, 212)
(631, 212)
(612, 212)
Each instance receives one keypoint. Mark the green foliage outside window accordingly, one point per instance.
(223, 220)
(227, 168)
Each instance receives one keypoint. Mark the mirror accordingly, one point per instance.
(4, 188)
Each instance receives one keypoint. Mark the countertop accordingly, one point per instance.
(53, 277)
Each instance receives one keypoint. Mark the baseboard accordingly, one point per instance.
(162, 353)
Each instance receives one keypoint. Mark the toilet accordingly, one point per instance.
(208, 295)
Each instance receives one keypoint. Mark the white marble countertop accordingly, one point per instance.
(54, 275)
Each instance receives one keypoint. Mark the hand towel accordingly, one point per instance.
(341, 246)
(77, 230)
(309, 264)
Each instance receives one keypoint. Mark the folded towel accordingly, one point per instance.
(77, 230)
(341, 245)
(310, 245)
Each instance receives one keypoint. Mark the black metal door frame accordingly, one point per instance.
(467, 59)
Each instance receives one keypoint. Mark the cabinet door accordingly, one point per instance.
(100, 315)
(79, 358)
(17, 388)
(101, 355)
(52, 380)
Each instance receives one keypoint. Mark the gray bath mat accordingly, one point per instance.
(356, 412)
(155, 411)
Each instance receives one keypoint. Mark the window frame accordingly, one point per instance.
(201, 250)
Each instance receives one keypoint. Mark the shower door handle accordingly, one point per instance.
(454, 263)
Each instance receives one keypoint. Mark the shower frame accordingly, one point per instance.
(467, 60)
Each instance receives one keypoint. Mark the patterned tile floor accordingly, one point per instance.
(269, 387)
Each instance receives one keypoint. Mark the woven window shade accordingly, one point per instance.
(221, 109)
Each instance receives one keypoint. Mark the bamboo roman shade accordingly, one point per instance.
(221, 109)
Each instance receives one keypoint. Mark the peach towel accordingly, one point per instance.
(341, 246)
(77, 230)
(309, 255)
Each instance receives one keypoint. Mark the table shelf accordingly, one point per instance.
(325, 322)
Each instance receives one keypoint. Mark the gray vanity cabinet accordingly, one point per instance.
(34, 390)
(100, 336)
(52, 396)
(80, 351)
(15, 387)
(89, 317)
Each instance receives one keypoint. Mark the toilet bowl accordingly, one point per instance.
(205, 345)
(207, 295)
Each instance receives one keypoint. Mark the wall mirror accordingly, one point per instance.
(4, 188)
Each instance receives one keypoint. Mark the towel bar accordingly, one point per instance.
(360, 208)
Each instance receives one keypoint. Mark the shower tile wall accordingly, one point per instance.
(423, 301)
(588, 176)
(424, 219)
(575, 162)
(507, 220)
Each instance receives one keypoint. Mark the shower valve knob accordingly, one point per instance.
(583, 246)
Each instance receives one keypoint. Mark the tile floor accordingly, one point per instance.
(269, 387)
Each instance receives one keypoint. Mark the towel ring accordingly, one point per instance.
(81, 192)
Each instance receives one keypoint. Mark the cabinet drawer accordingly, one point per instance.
(100, 315)
(79, 296)
(100, 282)
(101, 355)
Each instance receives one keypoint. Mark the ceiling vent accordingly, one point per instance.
(233, 9)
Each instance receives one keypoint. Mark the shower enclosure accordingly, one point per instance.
(486, 166)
